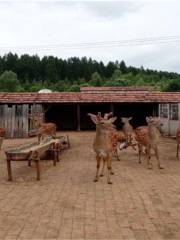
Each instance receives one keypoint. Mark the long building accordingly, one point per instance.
(69, 109)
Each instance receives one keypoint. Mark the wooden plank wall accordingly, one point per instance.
(14, 118)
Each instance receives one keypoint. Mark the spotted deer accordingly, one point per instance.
(118, 138)
(178, 141)
(43, 129)
(102, 144)
(127, 129)
(149, 136)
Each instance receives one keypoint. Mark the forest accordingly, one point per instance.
(27, 73)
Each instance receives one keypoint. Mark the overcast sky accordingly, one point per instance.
(57, 27)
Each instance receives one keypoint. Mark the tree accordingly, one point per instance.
(123, 67)
(173, 86)
(9, 82)
(95, 79)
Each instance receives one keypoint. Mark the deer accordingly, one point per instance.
(102, 144)
(178, 141)
(148, 136)
(127, 129)
(44, 129)
(118, 138)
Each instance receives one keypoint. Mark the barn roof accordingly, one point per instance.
(81, 97)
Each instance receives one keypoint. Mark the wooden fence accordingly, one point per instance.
(14, 118)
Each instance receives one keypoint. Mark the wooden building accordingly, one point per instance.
(69, 109)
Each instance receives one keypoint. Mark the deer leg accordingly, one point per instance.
(177, 154)
(98, 166)
(102, 172)
(140, 152)
(109, 170)
(39, 138)
(148, 154)
(157, 156)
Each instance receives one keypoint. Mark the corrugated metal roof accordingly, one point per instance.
(72, 97)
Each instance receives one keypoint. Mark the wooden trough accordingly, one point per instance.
(32, 152)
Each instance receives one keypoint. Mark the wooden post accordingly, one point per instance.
(112, 108)
(38, 168)
(9, 169)
(78, 118)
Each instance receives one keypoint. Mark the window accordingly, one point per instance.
(164, 110)
(174, 111)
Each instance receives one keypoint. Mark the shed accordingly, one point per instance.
(69, 109)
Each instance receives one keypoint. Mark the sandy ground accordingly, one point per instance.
(67, 204)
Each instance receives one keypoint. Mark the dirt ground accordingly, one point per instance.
(67, 204)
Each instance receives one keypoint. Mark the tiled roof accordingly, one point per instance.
(72, 97)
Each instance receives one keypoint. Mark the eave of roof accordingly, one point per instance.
(78, 97)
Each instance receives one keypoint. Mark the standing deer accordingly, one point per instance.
(102, 144)
(118, 138)
(178, 141)
(148, 136)
(127, 129)
(44, 129)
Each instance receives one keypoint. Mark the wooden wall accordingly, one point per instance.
(14, 118)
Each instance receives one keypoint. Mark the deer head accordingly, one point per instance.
(37, 119)
(155, 122)
(126, 120)
(105, 123)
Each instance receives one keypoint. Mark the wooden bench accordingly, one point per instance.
(32, 152)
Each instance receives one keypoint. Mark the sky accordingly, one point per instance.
(103, 30)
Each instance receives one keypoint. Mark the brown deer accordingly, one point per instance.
(127, 129)
(102, 144)
(118, 138)
(178, 141)
(43, 129)
(148, 136)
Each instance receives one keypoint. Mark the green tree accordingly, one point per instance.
(173, 86)
(9, 82)
(95, 79)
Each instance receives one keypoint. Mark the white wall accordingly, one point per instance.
(170, 126)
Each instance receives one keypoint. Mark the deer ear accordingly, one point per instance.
(113, 119)
(147, 119)
(93, 117)
(129, 118)
(122, 119)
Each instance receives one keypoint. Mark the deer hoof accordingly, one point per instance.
(101, 175)
(95, 180)
(161, 167)
(150, 167)
(112, 173)
(110, 182)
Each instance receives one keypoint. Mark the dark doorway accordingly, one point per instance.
(86, 123)
(138, 112)
(64, 116)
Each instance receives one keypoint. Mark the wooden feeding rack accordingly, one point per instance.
(64, 141)
(32, 152)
